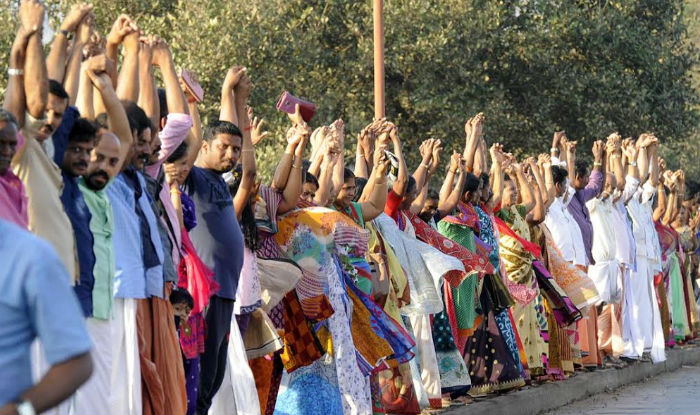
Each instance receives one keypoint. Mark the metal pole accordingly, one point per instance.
(378, 6)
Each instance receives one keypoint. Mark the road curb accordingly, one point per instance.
(549, 396)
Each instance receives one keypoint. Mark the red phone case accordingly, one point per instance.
(287, 102)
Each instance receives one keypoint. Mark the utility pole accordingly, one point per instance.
(379, 105)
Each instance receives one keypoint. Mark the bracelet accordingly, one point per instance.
(15, 72)
(427, 166)
(597, 163)
(453, 171)
(633, 163)
(246, 150)
(294, 166)
(376, 183)
(553, 150)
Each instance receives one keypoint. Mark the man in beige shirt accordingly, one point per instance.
(26, 98)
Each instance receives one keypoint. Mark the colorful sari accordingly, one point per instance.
(668, 239)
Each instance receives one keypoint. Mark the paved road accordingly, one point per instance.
(674, 393)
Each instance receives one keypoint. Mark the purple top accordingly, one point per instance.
(577, 208)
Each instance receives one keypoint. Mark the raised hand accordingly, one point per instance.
(243, 87)
(233, 76)
(455, 158)
(120, 28)
(161, 52)
(100, 64)
(571, 147)
(256, 130)
(598, 149)
(31, 15)
(478, 125)
(75, 16)
(556, 140)
(101, 81)
(435, 161)
(496, 152)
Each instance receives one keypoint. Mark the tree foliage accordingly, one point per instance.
(589, 67)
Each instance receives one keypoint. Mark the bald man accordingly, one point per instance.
(111, 322)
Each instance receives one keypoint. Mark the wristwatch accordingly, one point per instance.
(25, 408)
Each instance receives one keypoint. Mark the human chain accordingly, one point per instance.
(159, 275)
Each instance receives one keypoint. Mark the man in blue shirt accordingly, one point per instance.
(219, 243)
(36, 302)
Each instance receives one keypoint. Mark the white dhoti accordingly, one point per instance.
(607, 278)
(237, 393)
(94, 397)
(126, 368)
(642, 330)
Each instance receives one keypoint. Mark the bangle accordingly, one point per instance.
(294, 166)
(633, 163)
(15, 72)
(384, 182)
(453, 171)
(553, 150)
(597, 163)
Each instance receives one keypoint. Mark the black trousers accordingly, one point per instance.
(212, 364)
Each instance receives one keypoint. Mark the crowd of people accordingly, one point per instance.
(163, 277)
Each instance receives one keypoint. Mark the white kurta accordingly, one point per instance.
(605, 273)
(642, 329)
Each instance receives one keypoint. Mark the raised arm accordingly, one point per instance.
(480, 165)
(614, 151)
(571, 159)
(56, 61)
(195, 136)
(538, 213)
(472, 142)
(84, 100)
(421, 173)
(118, 123)
(375, 206)
(71, 79)
(284, 167)
(14, 95)
(643, 158)
(228, 99)
(498, 166)
(148, 95)
(528, 198)
(361, 168)
(293, 187)
(662, 204)
(449, 181)
(449, 203)
(539, 185)
(596, 178)
(654, 162)
(399, 186)
(128, 83)
(249, 171)
(325, 180)
(36, 83)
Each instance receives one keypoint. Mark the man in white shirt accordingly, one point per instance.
(566, 233)
(642, 331)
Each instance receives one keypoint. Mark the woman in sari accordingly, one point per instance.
(518, 253)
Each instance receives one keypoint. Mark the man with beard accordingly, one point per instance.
(87, 172)
(56, 107)
(218, 237)
(26, 98)
(155, 317)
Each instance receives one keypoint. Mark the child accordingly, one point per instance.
(191, 333)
